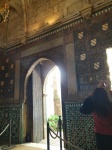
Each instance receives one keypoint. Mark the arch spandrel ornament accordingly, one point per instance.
(56, 55)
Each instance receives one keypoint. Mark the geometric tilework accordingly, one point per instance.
(13, 112)
(80, 128)
(90, 55)
(90, 43)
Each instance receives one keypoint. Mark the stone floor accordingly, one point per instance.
(54, 144)
(21, 147)
(42, 145)
(31, 146)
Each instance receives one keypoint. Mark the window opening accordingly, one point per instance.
(109, 61)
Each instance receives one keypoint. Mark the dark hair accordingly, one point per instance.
(101, 102)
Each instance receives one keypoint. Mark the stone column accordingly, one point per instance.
(70, 63)
(17, 81)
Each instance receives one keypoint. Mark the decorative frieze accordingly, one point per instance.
(70, 23)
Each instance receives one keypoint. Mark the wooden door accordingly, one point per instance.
(37, 105)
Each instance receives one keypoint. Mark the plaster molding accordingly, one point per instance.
(86, 12)
(23, 40)
(102, 4)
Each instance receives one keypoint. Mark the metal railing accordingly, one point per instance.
(9, 144)
(50, 131)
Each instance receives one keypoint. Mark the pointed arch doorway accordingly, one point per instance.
(52, 95)
(38, 97)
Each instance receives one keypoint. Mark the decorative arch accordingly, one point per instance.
(27, 65)
(29, 73)
(56, 55)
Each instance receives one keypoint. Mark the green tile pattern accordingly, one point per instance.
(13, 112)
(80, 128)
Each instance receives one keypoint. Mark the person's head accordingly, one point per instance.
(102, 104)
